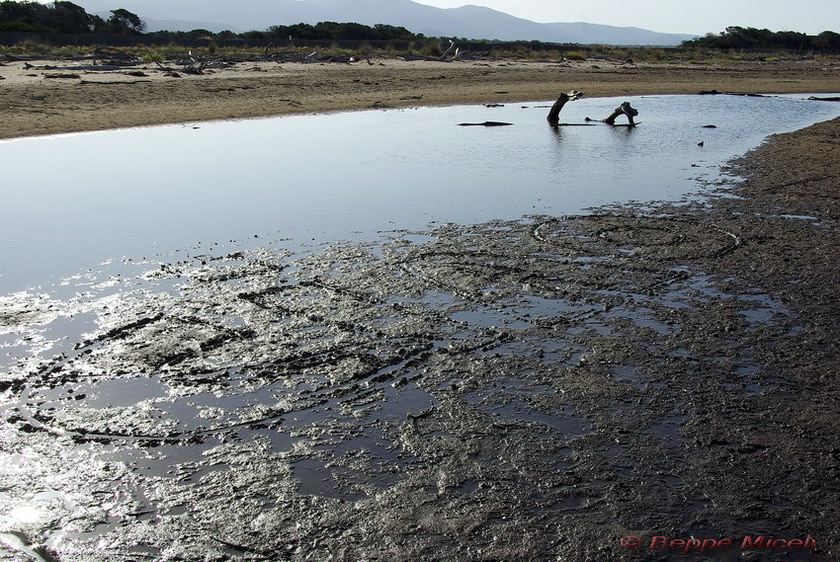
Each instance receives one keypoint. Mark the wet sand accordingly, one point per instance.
(34, 100)
(515, 390)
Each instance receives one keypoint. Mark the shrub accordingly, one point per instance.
(30, 46)
(574, 55)
(431, 50)
(152, 56)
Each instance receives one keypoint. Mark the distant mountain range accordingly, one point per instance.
(471, 22)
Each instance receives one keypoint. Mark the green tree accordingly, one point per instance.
(390, 32)
(24, 16)
(828, 41)
(123, 21)
(67, 17)
(764, 39)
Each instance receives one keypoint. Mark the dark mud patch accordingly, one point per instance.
(523, 390)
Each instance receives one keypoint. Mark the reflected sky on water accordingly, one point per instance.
(71, 202)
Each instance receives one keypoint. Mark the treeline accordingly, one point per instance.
(64, 17)
(67, 18)
(750, 38)
(325, 31)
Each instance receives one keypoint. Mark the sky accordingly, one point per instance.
(673, 16)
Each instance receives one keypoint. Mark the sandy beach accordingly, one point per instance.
(46, 97)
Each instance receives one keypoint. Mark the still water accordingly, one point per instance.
(72, 202)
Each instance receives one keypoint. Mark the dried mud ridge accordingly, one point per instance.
(523, 390)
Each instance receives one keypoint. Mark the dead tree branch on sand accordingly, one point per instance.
(455, 56)
(446, 52)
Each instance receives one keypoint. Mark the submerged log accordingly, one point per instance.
(624, 109)
(553, 114)
(485, 124)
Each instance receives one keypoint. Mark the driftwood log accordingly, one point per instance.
(624, 109)
(455, 56)
(554, 113)
(485, 124)
(553, 116)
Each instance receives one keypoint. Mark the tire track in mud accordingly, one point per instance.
(375, 369)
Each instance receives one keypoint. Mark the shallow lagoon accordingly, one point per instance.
(332, 376)
(72, 202)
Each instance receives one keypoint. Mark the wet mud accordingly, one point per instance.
(515, 390)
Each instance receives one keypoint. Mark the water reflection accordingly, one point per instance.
(71, 202)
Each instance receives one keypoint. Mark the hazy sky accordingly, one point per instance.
(673, 16)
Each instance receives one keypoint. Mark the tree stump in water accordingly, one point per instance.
(625, 109)
(553, 114)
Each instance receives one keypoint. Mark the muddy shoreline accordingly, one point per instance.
(519, 390)
(34, 100)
